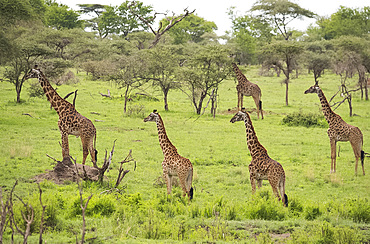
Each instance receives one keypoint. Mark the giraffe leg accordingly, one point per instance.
(253, 183)
(356, 146)
(259, 183)
(65, 145)
(333, 145)
(239, 100)
(274, 184)
(85, 149)
(168, 180)
(182, 179)
(257, 102)
(92, 149)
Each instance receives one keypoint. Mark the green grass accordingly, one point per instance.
(325, 208)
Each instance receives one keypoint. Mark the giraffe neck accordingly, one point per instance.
(50, 93)
(326, 109)
(239, 74)
(255, 147)
(168, 148)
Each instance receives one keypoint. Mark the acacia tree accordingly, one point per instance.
(352, 57)
(345, 22)
(60, 16)
(125, 73)
(162, 29)
(162, 63)
(25, 50)
(318, 58)
(248, 33)
(280, 13)
(204, 69)
(192, 28)
(282, 54)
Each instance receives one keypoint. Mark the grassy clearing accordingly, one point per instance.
(323, 208)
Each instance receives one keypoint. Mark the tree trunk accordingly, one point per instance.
(349, 99)
(286, 92)
(165, 94)
(199, 107)
(18, 88)
(126, 94)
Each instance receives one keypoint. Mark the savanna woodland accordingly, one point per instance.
(101, 70)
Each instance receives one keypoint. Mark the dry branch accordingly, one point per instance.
(42, 215)
(28, 219)
(6, 209)
(106, 95)
(121, 172)
(173, 20)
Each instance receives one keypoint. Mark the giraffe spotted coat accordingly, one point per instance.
(247, 88)
(339, 130)
(262, 167)
(173, 163)
(70, 121)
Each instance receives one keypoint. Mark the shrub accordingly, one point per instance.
(359, 210)
(312, 212)
(35, 90)
(263, 206)
(307, 120)
(295, 207)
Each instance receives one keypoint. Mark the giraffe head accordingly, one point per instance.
(240, 116)
(152, 116)
(34, 73)
(313, 89)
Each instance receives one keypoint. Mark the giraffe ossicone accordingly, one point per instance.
(173, 163)
(70, 121)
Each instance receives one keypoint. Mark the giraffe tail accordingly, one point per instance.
(96, 151)
(285, 200)
(191, 193)
(189, 181)
(362, 157)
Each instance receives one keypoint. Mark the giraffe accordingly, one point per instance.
(173, 164)
(70, 121)
(262, 167)
(247, 88)
(339, 130)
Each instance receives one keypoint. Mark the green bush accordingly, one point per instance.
(103, 205)
(263, 206)
(312, 212)
(307, 120)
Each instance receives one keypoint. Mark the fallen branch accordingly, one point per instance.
(106, 95)
(28, 115)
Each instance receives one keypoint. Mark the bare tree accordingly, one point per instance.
(172, 20)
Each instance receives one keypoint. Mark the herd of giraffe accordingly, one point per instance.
(262, 167)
